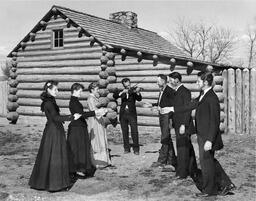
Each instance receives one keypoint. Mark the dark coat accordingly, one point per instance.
(76, 107)
(207, 118)
(182, 98)
(51, 170)
(78, 140)
(132, 98)
(167, 99)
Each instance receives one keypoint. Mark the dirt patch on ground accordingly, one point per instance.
(133, 179)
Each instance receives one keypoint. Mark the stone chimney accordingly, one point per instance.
(127, 18)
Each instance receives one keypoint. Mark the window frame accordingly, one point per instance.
(58, 31)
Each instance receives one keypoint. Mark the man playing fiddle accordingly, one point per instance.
(128, 115)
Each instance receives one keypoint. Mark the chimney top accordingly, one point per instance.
(127, 18)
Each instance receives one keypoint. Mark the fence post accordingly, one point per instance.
(239, 101)
(246, 101)
(253, 101)
(225, 94)
(231, 101)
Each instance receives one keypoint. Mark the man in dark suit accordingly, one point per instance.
(207, 122)
(184, 128)
(128, 114)
(165, 100)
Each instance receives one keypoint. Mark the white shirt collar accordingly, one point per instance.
(178, 87)
(206, 90)
(163, 88)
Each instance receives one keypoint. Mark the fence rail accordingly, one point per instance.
(239, 89)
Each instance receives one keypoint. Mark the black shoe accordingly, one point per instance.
(79, 176)
(227, 189)
(157, 164)
(127, 151)
(202, 195)
(179, 178)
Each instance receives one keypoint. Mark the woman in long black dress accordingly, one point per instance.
(79, 146)
(51, 170)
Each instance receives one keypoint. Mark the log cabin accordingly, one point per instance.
(70, 46)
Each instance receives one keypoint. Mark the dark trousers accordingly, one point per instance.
(214, 177)
(166, 153)
(186, 158)
(126, 120)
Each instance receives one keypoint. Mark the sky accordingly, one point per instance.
(18, 17)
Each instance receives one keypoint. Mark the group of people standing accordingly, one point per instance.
(60, 159)
(86, 147)
(174, 106)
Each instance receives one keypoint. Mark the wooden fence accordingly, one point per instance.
(239, 87)
(3, 97)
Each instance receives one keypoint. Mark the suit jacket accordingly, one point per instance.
(167, 99)
(130, 102)
(76, 107)
(207, 118)
(181, 99)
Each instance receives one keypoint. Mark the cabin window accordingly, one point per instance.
(57, 38)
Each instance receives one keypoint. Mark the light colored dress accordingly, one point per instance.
(98, 135)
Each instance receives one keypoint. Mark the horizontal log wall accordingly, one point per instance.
(39, 62)
(146, 71)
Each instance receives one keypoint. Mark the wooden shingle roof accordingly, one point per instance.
(118, 35)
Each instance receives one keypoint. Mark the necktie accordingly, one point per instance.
(160, 95)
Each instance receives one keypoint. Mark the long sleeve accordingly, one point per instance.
(49, 108)
(138, 97)
(186, 97)
(214, 112)
(76, 107)
(88, 114)
(116, 94)
(186, 108)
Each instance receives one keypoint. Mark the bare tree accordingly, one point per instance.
(185, 37)
(220, 45)
(251, 32)
(202, 41)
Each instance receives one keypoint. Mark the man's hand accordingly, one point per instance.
(137, 90)
(182, 129)
(124, 91)
(147, 105)
(77, 116)
(207, 146)
(166, 110)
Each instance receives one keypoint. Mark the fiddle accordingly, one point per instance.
(135, 89)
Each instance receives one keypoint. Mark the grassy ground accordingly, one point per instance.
(132, 180)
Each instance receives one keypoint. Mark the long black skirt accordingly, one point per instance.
(79, 150)
(51, 171)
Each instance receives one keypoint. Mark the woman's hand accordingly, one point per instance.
(77, 116)
(101, 111)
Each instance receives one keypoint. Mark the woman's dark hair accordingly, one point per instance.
(47, 97)
(175, 75)
(49, 85)
(92, 86)
(163, 77)
(206, 76)
(76, 87)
